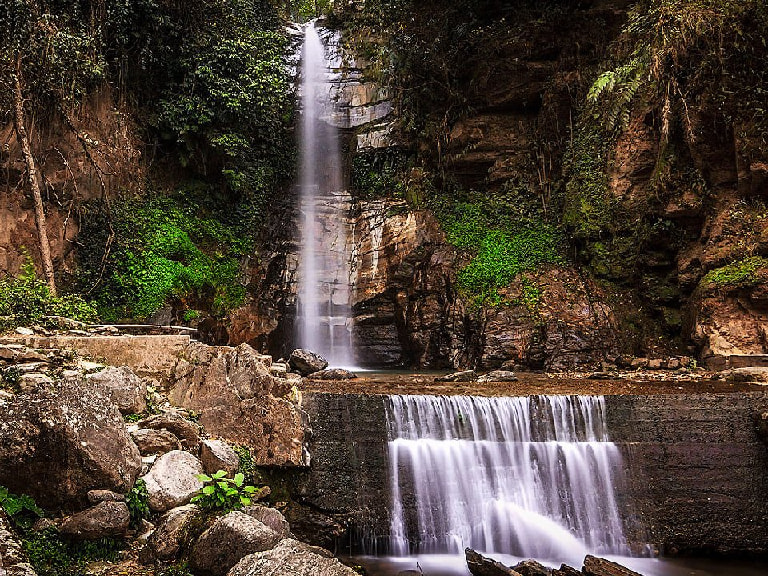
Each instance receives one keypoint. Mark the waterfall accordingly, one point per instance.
(530, 477)
(324, 318)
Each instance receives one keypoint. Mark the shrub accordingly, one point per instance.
(137, 501)
(226, 494)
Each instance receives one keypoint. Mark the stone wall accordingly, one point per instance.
(697, 471)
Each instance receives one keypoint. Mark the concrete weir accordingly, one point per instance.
(696, 470)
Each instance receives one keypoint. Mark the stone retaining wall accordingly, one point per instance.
(697, 471)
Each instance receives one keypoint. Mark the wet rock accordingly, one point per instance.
(332, 374)
(270, 517)
(600, 376)
(463, 376)
(151, 441)
(410, 573)
(172, 481)
(218, 455)
(227, 541)
(291, 558)
(106, 519)
(174, 532)
(306, 362)
(96, 496)
(566, 570)
(238, 400)
(531, 568)
(175, 422)
(61, 441)
(125, 388)
(498, 376)
(761, 423)
(594, 566)
(481, 566)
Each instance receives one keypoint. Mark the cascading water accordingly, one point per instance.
(324, 322)
(531, 477)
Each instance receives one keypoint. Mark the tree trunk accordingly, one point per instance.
(34, 184)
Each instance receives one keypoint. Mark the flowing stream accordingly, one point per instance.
(528, 477)
(324, 318)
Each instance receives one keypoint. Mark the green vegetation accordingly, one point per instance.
(226, 494)
(27, 300)
(49, 554)
(179, 569)
(246, 465)
(501, 249)
(741, 274)
(164, 248)
(138, 505)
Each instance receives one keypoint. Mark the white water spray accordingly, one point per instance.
(530, 477)
(324, 316)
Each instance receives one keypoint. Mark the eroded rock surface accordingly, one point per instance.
(125, 388)
(172, 481)
(228, 540)
(291, 558)
(61, 441)
(239, 400)
(105, 520)
(173, 533)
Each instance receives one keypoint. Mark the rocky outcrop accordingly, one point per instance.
(172, 481)
(61, 441)
(291, 558)
(150, 441)
(594, 566)
(270, 517)
(127, 391)
(240, 401)
(178, 425)
(227, 541)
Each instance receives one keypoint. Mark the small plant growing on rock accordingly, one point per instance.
(222, 493)
(21, 510)
(137, 501)
(10, 379)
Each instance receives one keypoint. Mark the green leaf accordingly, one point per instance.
(219, 475)
(203, 478)
(208, 490)
(238, 479)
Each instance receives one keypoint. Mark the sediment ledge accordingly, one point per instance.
(697, 470)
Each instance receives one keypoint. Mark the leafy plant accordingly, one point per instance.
(10, 378)
(138, 505)
(21, 510)
(222, 493)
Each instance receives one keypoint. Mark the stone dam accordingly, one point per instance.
(695, 481)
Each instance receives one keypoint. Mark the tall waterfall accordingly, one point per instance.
(530, 477)
(324, 284)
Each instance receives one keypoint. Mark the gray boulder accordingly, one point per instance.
(150, 441)
(228, 540)
(128, 391)
(106, 519)
(498, 376)
(306, 362)
(61, 441)
(174, 533)
(172, 481)
(270, 517)
(463, 376)
(218, 455)
(594, 566)
(291, 558)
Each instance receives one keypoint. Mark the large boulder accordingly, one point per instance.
(128, 391)
(106, 519)
(177, 424)
(172, 481)
(229, 539)
(306, 362)
(270, 517)
(291, 558)
(481, 566)
(594, 566)
(531, 568)
(62, 440)
(173, 533)
(463, 376)
(332, 374)
(238, 400)
(218, 455)
(150, 441)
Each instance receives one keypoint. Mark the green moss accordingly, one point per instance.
(501, 248)
(741, 274)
